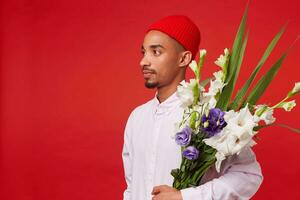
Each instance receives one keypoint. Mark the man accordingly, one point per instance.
(149, 152)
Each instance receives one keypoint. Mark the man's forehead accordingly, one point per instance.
(153, 46)
(158, 39)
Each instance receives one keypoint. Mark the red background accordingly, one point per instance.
(70, 77)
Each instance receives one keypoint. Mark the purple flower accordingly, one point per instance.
(191, 153)
(183, 137)
(214, 122)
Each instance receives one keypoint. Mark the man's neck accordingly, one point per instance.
(164, 93)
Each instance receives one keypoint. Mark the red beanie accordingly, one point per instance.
(180, 28)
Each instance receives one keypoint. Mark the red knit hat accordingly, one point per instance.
(180, 28)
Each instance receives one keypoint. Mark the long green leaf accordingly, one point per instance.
(282, 125)
(264, 82)
(237, 46)
(241, 93)
(233, 65)
(234, 79)
(227, 92)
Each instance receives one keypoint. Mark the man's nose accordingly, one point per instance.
(144, 62)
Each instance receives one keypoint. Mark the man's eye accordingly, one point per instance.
(156, 52)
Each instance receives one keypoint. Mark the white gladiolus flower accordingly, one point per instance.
(235, 136)
(217, 84)
(220, 157)
(288, 106)
(202, 53)
(229, 115)
(266, 115)
(219, 75)
(193, 65)
(296, 88)
(215, 87)
(221, 61)
(209, 100)
(185, 92)
(212, 102)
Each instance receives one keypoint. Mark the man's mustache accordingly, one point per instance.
(148, 69)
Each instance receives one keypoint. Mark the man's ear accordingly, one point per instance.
(185, 58)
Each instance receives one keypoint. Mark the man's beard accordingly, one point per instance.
(151, 85)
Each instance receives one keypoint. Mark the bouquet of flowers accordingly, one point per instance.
(213, 126)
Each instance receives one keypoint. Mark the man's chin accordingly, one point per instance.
(151, 85)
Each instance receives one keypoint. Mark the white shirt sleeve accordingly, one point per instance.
(241, 179)
(127, 158)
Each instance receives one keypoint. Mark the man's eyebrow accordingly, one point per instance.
(154, 46)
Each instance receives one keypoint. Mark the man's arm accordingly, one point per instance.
(240, 180)
(127, 158)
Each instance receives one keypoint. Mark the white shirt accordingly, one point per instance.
(150, 153)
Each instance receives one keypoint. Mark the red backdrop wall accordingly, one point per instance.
(70, 77)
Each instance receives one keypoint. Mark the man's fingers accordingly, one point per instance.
(155, 190)
(155, 197)
(158, 189)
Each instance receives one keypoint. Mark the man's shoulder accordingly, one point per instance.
(140, 112)
(142, 108)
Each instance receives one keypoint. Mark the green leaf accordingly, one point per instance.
(209, 157)
(264, 82)
(288, 127)
(193, 120)
(237, 46)
(196, 93)
(209, 150)
(201, 171)
(281, 125)
(227, 92)
(241, 93)
(233, 67)
(175, 173)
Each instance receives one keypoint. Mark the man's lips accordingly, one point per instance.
(147, 73)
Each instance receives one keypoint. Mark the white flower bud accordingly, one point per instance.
(296, 88)
(202, 53)
(193, 66)
(221, 61)
(288, 106)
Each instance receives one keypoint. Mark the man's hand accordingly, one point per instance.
(165, 192)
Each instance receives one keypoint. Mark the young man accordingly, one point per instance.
(149, 152)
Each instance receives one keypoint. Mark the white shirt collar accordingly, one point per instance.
(166, 105)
